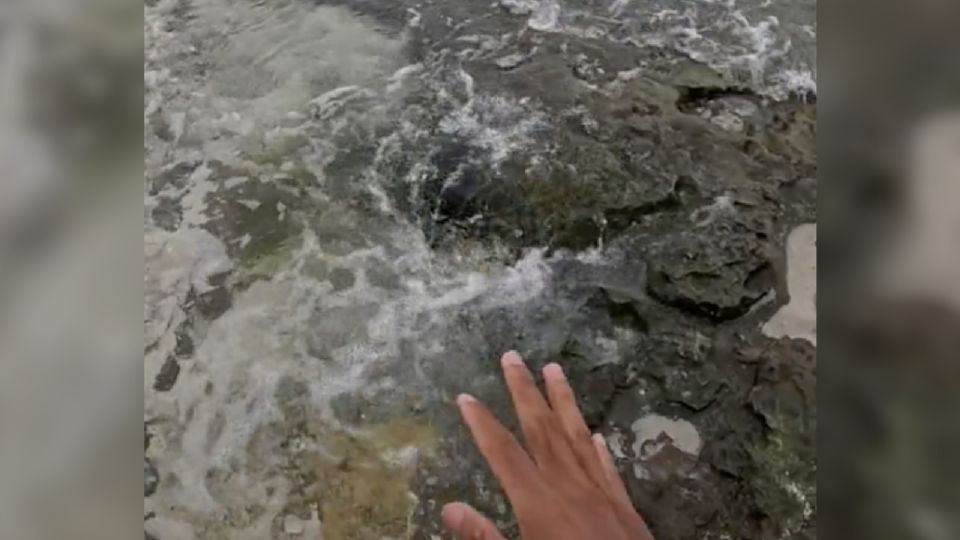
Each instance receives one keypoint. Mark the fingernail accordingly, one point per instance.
(463, 399)
(452, 516)
(554, 371)
(511, 359)
(599, 439)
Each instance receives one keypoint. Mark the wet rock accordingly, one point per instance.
(169, 372)
(171, 178)
(649, 160)
(595, 388)
(151, 479)
(784, 395)
(718, 272)
(215, 301)
(184, 347)
(624, 309)
(459, 192)
(167, 214)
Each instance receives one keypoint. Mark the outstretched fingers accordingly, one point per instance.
(540, 424)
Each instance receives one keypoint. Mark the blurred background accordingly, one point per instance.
(71, 266)
(889, 215)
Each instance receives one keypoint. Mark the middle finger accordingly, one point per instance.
(564, 404)
(541, 428)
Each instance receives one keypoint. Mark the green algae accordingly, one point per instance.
(365, 491)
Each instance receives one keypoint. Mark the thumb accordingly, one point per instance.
(467, 524)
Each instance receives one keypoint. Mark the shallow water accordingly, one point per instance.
(307, 281)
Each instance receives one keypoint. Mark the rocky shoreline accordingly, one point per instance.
(330, 262)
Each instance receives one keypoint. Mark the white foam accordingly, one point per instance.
(544, 15)
(495, 124)
(396, 81)
(748, 43)
(263, 65)
(796, 81)
(703, 216)
(617, 6)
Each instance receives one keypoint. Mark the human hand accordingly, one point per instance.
(567, 487)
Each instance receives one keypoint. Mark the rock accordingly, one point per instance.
(717, 272)
(641, 162)
(167, 377)
(216, 301)
(167, 213)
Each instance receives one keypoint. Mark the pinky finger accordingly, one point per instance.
(627, 515)
(467, 524)
(615, 485)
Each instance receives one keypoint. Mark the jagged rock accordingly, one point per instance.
(717, 272)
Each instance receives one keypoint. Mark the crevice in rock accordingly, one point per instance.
(690, 98)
